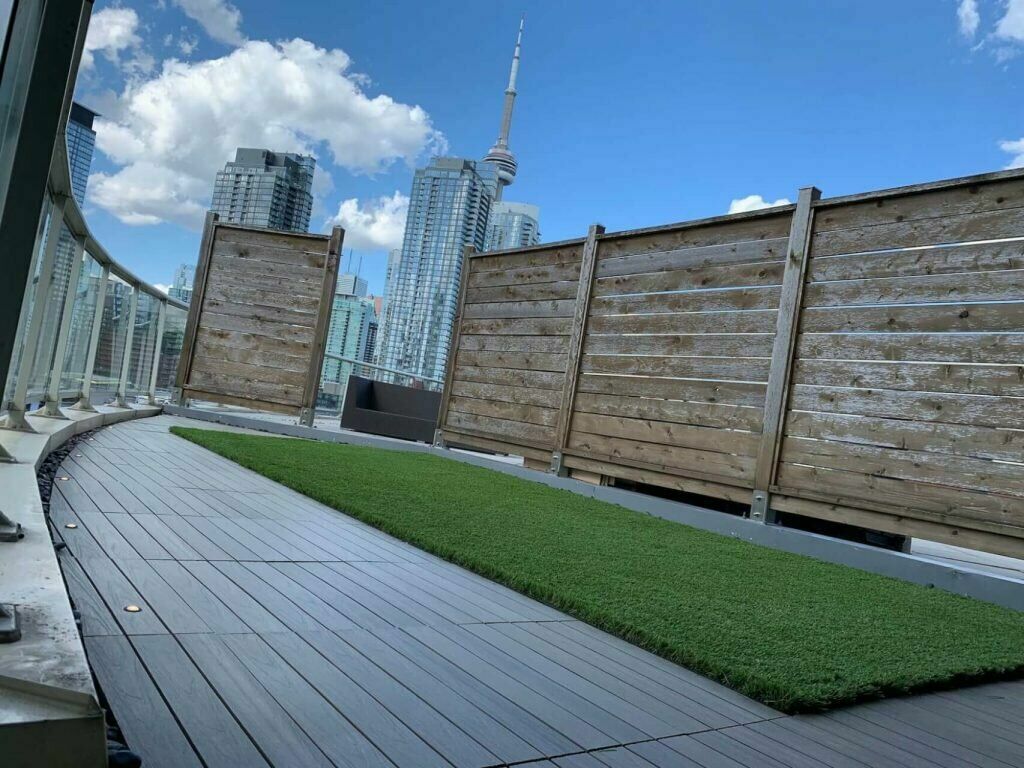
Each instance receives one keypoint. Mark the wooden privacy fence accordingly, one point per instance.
(857, 359)
(258, 319)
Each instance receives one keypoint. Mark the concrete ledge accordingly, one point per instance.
(44, 677)
(961, 579)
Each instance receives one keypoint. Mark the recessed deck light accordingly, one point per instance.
(132, 608)
(63, 477)
(70, 525)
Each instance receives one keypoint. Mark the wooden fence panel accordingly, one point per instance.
(892, 399)
(258, 318)
(907, 395)
(509, 357)
(676, 352)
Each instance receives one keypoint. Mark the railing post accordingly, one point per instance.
(453, 342)
(84, 392)
(156, 351)
(16, 404)
(777, 392)
(122, 383)
(588, 268)
(51, 408)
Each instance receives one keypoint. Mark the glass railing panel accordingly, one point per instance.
(80, 332)
(170, 350)
(110, 349)
(143, 343)
(52, 310)
(27, 304)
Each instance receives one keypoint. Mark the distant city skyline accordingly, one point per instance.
(598, 138)
(264, 188)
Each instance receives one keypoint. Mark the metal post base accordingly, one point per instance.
(83, 404)
(16, 421)
(558, 464)
(51, 410)
(439, 439)
(10, 530)
(10, 631)
(760, 509)
(306, 417)
(121, 401)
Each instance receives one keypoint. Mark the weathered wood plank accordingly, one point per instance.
(700, 257)
(254, 355)
(547, 344)
(270, 246)
(552, 273)
(764, 225)
(662, 457)
(945, 260)
(696, 390)
(905, 434)
(239, 389)
(933, 318)
(465, 438)
(1007, 380)
(506, 410)
(227, 264)
(498, 428)
(749, 321)
(725, 299)
(693, 278)
(510, 377)
(996, 412)
(235, 292)
(260, 314)
(924, 467)
(694, 344)
(546, 398)
(973, 198)
(524, 292)
(726, 368)
(986, 225)
(530, 361)
(511, 309)
(240, 340)
(301, 334)
(1006, 285)
(668, 434)
(708, 414)
(562, 254)
(914, 347)
(243, 374)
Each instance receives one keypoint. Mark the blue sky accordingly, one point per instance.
(630, 114)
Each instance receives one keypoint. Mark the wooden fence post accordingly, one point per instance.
(588, 267)
(453, 344)
(777, 392)
(195, 302)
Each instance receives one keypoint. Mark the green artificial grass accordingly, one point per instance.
(796, 633)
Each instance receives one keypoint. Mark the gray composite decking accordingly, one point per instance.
(276, 631)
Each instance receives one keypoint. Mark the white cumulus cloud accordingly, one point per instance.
(1011, 25)
(162, 287)
(379, 225)
(171, 133)
(111, 32)
(968, 17)
(1016, 149)
(218, 18)
(754, 203)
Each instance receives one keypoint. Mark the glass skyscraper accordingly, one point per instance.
(448, 210)
(181, 288)
(512, 225)
(352, 334)
(268, 189)
(81, 140)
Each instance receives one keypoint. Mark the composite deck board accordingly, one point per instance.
(276, 631)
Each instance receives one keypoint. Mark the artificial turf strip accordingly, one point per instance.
(796, 633)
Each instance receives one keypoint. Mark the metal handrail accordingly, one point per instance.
(384, 368)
